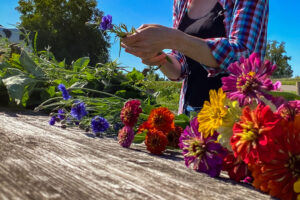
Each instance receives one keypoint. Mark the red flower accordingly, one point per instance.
(279, 175)
(143, 127)
(253, 136)
(173, 136)
(156, 141)
(237, 169)
(162, 119)
(130, 112)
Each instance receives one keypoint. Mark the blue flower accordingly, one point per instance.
(61, 114)
(52, 121)
(106, 23)
(99, 124)
(78, 111)
(64, 91)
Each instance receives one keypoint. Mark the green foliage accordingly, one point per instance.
(61, 24)
(276, 53)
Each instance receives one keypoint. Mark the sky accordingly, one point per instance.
(284, 23)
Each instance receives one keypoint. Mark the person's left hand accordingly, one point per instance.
(149, 38)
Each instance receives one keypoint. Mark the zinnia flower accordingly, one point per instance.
(289, 110)
(162, 119)
(156, 141)
(234, 112)
(99, 124)
(205, 154)
(106, 23)
(253, 136)
(126, 136)
(64, 91)
(212, 114)
(249, 80)
(297, 188)
(278, 177)
(173, 136)
(130, 112)
(52, 121)
(78, 110)
(237, 169)
(144, 127)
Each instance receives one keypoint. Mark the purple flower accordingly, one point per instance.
(61, 114)
(99, 124)
(64, 91)
(78, 110)
(250, 80)
(106, 23)
(126, 136)
(52, 121)
(204, 154)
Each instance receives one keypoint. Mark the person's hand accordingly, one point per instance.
(149, 38)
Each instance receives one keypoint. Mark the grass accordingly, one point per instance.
(288, 81)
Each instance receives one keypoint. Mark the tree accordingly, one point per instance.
(276, 53)
(61, 24)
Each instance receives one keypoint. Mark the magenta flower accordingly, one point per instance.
(126, 136)
(205, 154)
(289, 110)
(249, 80)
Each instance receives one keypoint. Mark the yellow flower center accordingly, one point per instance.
(247, 82)
(250, 132)
(196, 148)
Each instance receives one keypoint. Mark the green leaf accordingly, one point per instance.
(79, 84)
(139, 138)
(81, 63)
(135, 75)
(182, 120)
(30, 66)
(62, 64)
(16, 85)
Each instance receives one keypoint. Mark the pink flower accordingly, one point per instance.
(130, 112)
(249, 80)
(126, 136)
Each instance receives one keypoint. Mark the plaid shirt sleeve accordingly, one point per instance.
(247, 25)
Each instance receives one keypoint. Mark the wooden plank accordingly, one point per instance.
(38, 161)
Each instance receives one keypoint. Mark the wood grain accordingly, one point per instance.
(38, 161)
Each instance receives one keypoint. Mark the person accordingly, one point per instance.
(207, 36)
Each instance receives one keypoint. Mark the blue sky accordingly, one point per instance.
(284, 23)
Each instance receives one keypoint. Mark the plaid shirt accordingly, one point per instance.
(246, 30)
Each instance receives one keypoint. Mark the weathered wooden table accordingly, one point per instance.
(38, 161)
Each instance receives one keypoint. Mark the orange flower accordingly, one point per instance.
(173, 136)
(143, 127)
(162, 119)
(156, 141)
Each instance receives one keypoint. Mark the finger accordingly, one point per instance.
(131, 39)
(143, 26)
(156, 61)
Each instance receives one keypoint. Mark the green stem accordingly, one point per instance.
(99, 92)
(40, 107)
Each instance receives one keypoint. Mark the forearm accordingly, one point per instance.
(193, 47)
(171, 69)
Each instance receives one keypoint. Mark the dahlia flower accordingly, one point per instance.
(249, 80)
(204, 154)
(279, 176)
(237, 169)
(156, 141)
(99, 124)
(211, 116)
(162, 119)
(253, 137)
(78, 110)
(173, 136)
(64, 91)
(130, 112)
(234, 112)
(126, 136)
